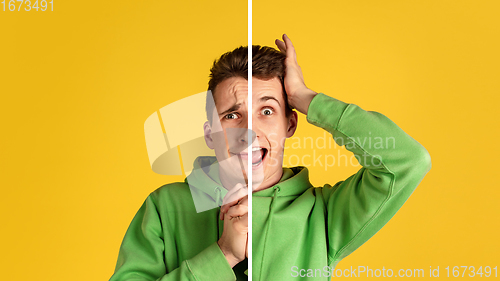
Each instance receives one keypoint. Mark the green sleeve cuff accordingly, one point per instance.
(211, 264)
(325, 111)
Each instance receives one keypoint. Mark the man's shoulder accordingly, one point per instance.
(298, 178)
(177, 198)
(172, 192)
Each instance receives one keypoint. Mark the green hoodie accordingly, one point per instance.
(169, 240)
(296, 226)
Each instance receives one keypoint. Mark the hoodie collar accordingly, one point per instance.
(205, 177)
(205, 185)
(293, 182)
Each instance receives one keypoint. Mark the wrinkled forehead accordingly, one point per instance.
(232, 92)
(229, 92)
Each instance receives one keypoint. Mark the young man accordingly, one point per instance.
(296, 226)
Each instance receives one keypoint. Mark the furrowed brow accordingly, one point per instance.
(231, 109)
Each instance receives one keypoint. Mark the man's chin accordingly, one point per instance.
(236, 164)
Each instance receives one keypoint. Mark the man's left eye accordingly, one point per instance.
(267, 111)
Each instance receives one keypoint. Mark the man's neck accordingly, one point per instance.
(257, 186)
(269, 182)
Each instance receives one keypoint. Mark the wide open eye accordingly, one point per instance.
(267, 111)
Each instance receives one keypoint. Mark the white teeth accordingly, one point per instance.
(256, 148)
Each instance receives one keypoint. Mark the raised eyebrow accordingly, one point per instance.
(231, 109)
(266, 98)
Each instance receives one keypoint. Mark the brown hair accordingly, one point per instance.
(267, 63)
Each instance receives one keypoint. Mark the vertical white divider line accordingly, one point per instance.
(250, 138)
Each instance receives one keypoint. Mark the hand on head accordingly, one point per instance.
(299, 96)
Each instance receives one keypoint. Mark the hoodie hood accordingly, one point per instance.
(205, 185)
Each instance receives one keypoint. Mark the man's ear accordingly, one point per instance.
(207, 129)
(292, 124)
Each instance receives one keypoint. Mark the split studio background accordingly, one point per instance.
(78, 83)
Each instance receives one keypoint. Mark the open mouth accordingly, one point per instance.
(258, 155)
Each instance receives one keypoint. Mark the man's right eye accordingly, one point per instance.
(231, 116)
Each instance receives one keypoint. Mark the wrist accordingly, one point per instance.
(301, 100)
(231, 259)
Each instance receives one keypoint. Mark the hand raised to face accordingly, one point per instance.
(235, 196)
(234, 239)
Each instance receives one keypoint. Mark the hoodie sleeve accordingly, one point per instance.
(141, 256)
(393, 165)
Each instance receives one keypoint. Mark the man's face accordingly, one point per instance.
(270, 127)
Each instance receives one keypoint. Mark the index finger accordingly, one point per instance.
(290, 49)
(224, 209)
(236, 193)
(281, 45)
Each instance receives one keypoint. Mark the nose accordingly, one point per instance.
(237, 138)
(244, 135)
(256, 127)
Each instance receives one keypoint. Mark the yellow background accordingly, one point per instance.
(77, 86)
(432, 67)
(78, 83)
